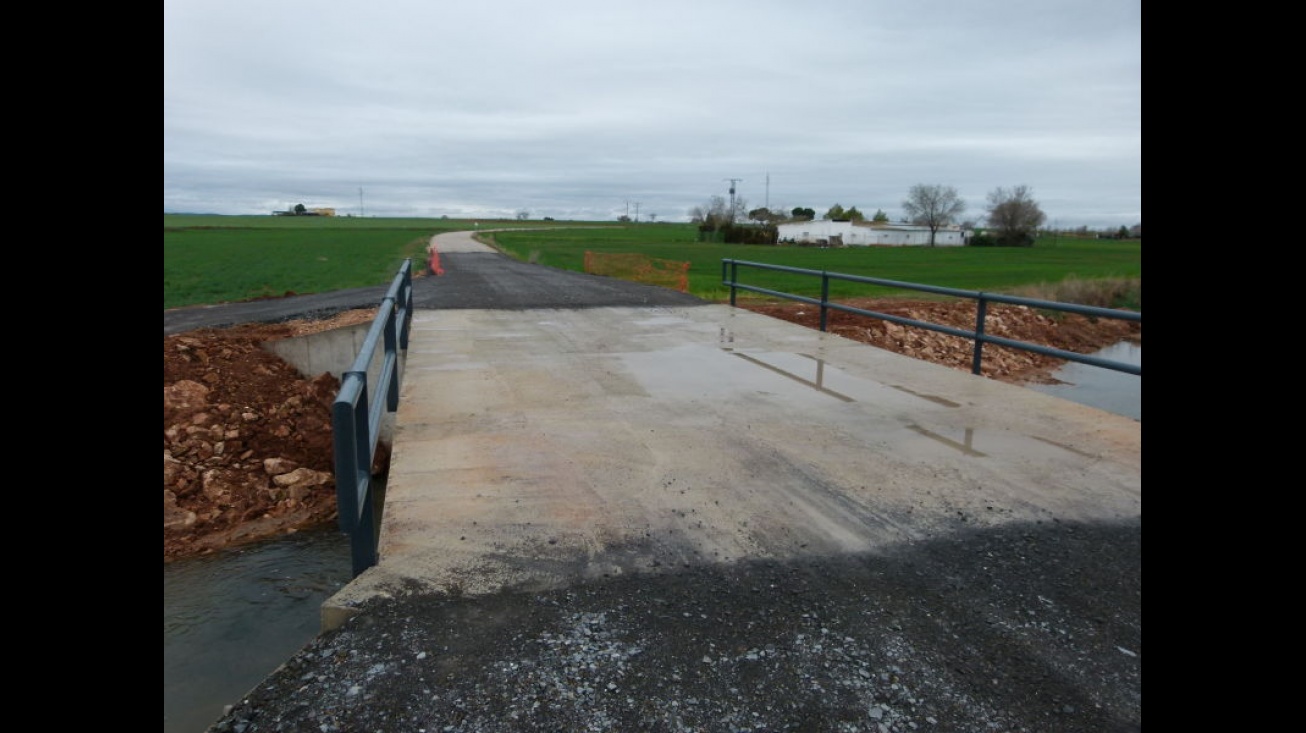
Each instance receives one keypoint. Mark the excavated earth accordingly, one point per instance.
(247, 441)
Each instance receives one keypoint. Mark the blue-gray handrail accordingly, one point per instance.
(730, 278)
(356, 422)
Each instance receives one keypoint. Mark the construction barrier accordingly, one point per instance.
(639, 268)
(433, 261)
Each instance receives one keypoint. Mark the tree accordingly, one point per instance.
(299, 209)
(523, 215)
(834, 212)
(711, 218)
(1014, 216)
(802, 214)
(738, 214)
(854, 215)
(880, 217)
(717, 213)
(933, 205)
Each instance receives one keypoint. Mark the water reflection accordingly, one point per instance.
(1105, 389)
(231, 618)
(817, 383)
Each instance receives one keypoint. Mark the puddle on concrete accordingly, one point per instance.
(932, 398)
(817, 383)
(726, 373)
(659, 321)
(965, 446)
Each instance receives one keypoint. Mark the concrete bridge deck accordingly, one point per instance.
(533, 448)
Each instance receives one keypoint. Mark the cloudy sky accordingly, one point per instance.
(580, 109)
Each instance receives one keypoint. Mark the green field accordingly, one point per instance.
(223, 259)
(216, 259)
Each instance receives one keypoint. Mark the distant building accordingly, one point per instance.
(299, 210)
(846, 233)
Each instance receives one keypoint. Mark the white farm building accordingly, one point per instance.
(843, 232)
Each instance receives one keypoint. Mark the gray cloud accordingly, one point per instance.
(573, 109)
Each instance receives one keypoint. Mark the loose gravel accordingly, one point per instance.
(1025, 627)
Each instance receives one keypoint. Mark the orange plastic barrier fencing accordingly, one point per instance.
(433, 262)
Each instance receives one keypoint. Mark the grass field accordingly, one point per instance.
(223, 259)
(215, 259)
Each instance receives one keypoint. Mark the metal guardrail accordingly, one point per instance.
(356, 420)
(730, 278)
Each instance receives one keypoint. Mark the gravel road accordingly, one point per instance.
(1023, 628)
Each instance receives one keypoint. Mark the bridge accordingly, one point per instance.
(535, 447)
(615, 508)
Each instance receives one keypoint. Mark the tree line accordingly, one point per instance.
(1012, 216)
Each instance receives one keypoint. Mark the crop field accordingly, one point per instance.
(216, 259)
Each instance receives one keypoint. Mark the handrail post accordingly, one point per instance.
(391, 354)
(825, 297)
(405, 303)
(363, 540)
(981, 310)
(354, 496)
(734, 278)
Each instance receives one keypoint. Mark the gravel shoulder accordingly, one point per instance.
(1021, 628)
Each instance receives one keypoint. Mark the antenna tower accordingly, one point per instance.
(733, 181)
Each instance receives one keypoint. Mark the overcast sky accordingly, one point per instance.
(588, 110)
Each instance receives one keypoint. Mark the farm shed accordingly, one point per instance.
(868, 234)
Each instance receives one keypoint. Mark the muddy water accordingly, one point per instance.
(1104, 389)
(230, 619)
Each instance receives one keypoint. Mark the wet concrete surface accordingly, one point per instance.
(527, 443)
(687, 517)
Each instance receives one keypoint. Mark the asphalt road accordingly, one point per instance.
(1015, 626)
(474, 277)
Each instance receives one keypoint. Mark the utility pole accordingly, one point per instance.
(768, 192)
(636, 212)
(361, 211)
(733, 181)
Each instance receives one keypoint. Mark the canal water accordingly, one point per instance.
(230, 619)
(1106, 389)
